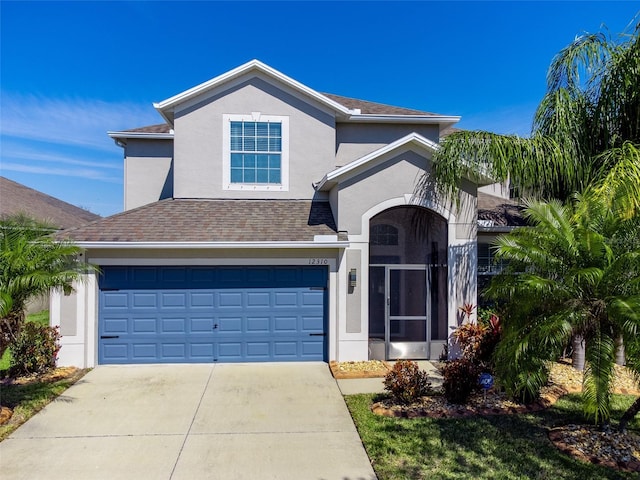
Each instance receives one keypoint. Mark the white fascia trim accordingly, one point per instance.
(216, 245)
(149, 136)
(241, 70)
(422, 119)
(414, 138)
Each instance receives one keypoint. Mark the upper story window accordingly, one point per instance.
(256, 153)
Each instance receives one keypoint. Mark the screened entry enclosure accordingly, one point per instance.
(407, 282)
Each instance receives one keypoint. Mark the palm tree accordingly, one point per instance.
(585, 136)
(573, 271)
(591, 107)
(31, 263)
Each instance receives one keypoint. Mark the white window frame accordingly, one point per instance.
(226, 153)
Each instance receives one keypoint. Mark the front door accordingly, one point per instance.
(406, 323)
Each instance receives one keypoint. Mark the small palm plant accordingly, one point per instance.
(31, 263)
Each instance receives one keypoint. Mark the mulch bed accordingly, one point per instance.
(350, 370)
(607, 447)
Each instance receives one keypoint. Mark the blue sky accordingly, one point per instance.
(71, 71)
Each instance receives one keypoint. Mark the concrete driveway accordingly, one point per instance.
(227, 421)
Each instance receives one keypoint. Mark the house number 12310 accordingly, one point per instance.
(318, 261)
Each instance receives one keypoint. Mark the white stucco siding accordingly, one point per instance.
(148, 175)
(391, 177)
(355, 140)
(198, 166)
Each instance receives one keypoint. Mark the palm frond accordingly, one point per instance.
(598, 377)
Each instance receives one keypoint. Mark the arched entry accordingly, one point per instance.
(407, 281)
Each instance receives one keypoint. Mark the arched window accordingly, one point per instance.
(383, 234)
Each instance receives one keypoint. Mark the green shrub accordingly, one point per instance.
(35, 350)
(460, 378)
(406, 383)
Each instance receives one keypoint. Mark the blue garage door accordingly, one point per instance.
(211, 314)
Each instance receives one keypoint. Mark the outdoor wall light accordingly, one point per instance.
(353, 277)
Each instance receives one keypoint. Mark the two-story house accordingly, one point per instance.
(265, 221)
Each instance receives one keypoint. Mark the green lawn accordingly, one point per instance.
(28, 399)
(42, 318)
(493, 447)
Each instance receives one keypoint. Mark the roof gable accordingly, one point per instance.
(345, 109)
(167, 107)
(413, 141)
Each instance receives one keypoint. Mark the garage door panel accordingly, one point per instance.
(173, 325)
(144, 351)
(202, 300)
(115, 300)
(174, 300)
(115, 352)
(201, 325)
(144, 325)
(230, 350)
(258, 350)
(311, 349)
(115, 325)
(144, 300)
(286, 299)
(144, 275)
(174, 321)
(285, 324)
(312, 298)
(312, 324)
(230, 299)
(201, 351)
(258, 324)
(258, 299)
(175, 351)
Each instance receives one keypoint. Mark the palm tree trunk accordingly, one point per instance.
(577, 359)
(631, 412)
(620, 359)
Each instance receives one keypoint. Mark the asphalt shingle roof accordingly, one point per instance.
(16, 198)
(207, 220)
(502, 212)
(373, 108)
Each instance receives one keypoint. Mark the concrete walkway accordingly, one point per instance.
(230, 421)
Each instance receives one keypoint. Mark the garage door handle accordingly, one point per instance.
(109, 336)
(317, 334)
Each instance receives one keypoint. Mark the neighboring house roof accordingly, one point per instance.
(494, 213)
(214, 221)
(16, 198)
